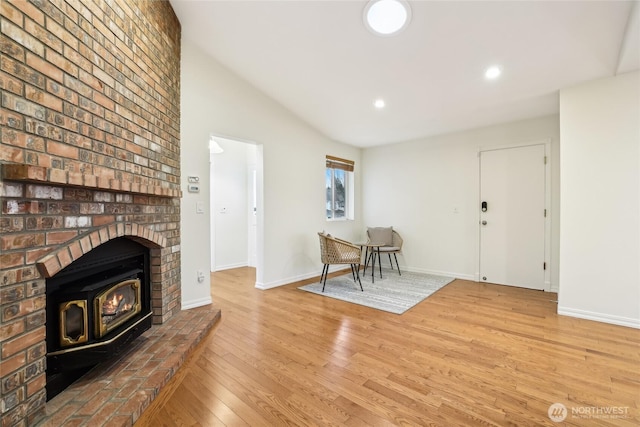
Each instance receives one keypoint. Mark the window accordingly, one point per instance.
(339, 192)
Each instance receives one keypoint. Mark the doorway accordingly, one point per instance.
(236, 182)
(513, 216)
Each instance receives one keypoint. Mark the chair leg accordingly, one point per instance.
(397, 265)
(366, 260)
(325, 271)
(357, 276)
(353, 272)
(391, 262)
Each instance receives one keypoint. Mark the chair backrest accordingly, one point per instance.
(397, 240)
(323, 248)
(331, 249)
(385, 235)
(336, 251)
(382, 235)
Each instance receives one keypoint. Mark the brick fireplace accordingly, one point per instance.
(90, 152)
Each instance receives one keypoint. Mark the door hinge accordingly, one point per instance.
(545, 160)
(544, 265)
(545, 213)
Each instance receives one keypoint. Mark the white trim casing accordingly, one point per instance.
(548, 285)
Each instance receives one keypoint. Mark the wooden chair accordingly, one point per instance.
(337, 251)
(391, 240)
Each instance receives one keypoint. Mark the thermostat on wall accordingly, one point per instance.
(193, 188)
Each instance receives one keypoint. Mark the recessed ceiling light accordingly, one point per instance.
(387, 17)
(493, 72)
(378, 103)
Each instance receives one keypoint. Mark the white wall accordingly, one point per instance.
(600, 175)
(293, 158)
(415, 186)
(194, 226)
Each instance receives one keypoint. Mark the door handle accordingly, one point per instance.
(484, 222)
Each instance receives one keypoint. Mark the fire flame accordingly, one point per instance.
(114, 304)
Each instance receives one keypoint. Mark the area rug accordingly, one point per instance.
(392, 293)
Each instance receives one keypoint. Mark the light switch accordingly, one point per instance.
(199, 207)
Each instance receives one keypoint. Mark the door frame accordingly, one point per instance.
(547, 204)
(259, 190)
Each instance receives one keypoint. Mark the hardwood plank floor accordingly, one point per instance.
(471, 354)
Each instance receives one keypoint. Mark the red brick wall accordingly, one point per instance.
(89, 150)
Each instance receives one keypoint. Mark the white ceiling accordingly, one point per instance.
(318, 60)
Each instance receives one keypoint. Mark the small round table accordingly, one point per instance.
(371, 250)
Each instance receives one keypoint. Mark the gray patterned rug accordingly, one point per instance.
(393, 293)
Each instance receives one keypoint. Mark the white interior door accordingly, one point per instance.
(512, 217)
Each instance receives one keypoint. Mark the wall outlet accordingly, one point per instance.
(200, 275)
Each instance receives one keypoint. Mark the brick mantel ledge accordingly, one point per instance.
(58, 259)
(41, 174)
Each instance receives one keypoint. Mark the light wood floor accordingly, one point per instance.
(471, 354)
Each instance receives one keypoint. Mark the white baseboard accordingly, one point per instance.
(599, 317)
(294, 279)
(461, 276)
(231, 266)
(186, 305)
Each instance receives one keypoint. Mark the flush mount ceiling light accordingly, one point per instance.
(387, 17)
(214, 147)
(378, 103)
(493, 72)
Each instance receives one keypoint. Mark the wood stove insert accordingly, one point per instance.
(95, 307)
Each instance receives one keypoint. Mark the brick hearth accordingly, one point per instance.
(115, 393)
